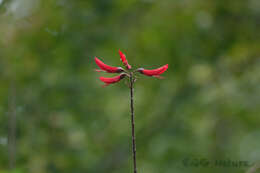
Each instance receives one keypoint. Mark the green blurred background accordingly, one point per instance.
(207, 106)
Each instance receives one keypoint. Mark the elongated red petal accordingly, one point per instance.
(154, 72)
(110, 80)
(124, 60)
(107, 68)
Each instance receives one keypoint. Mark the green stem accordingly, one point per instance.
(131, 78)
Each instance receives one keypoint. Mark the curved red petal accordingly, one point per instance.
(124, 60)
(110, 80)
(107, 68)
(154, 72)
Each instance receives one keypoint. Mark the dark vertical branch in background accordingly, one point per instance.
(132, 120)
(12, 126)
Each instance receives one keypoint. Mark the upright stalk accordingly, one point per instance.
(12, 128)
(131, 79)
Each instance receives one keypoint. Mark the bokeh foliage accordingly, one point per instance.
(206, 107)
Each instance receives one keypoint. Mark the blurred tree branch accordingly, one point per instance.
(12, 126)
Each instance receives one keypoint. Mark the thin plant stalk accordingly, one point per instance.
(130, 73)
(131, 81)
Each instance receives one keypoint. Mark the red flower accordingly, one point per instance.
(124, 60)
(126, 72)
(111, 80)
(107, 68)
(155, 72)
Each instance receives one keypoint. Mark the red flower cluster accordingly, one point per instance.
(123, 73)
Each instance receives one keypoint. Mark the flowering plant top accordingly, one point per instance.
(126, 72)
